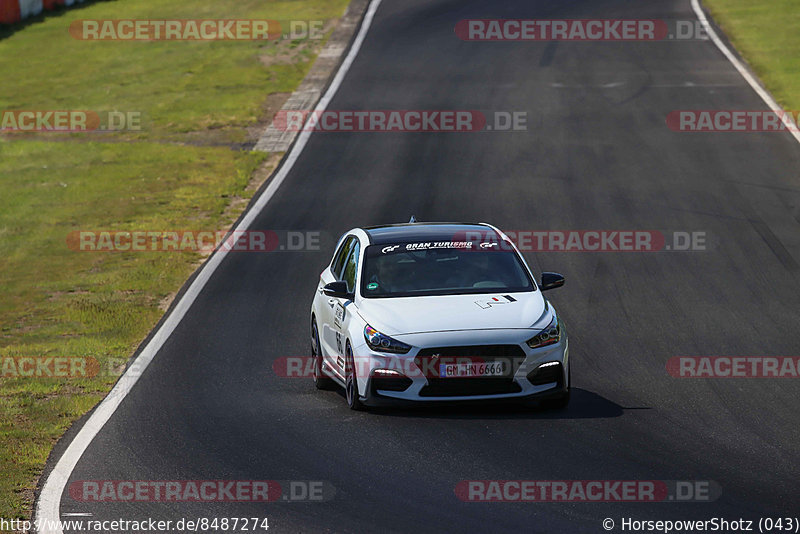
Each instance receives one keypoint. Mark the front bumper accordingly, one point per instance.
(380, 399)
(530, 381)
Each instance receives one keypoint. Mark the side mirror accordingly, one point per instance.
(551, 281)
(336, 289)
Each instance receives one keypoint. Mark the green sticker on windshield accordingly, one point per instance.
(372, 285)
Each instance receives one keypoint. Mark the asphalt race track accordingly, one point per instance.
(597, 154)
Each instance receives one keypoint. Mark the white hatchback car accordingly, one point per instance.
(434, 313)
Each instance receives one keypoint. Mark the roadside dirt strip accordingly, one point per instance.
(278, 139)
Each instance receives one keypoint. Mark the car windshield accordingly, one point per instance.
(441, 268)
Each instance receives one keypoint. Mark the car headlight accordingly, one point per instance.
(549, 336)
(383, 343)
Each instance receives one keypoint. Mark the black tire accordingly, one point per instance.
(350, 382)
(320, 380)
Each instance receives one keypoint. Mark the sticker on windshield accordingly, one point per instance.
(427, 245)
(439, 244)
(372, 286)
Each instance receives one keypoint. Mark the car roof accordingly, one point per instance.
(418, 232)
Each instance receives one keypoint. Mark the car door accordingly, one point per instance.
(341, 306)
(328, 304)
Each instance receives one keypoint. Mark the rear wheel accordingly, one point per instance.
(320, 380)
(351, 382)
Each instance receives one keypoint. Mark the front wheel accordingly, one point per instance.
(351, 382)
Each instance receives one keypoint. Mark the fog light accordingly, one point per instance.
(389, 380)
(546, 373)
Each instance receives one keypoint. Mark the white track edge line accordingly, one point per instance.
(749, 78)
(47, 512)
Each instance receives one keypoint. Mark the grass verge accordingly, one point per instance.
(765, 34)
(200, 104)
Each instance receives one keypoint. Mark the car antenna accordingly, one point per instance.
(413, 219)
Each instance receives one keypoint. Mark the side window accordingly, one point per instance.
(351, 268)
(341, 255)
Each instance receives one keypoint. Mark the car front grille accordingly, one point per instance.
(458, 387)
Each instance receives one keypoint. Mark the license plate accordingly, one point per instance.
(466, 370)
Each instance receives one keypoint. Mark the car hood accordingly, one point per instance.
(412, 315)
